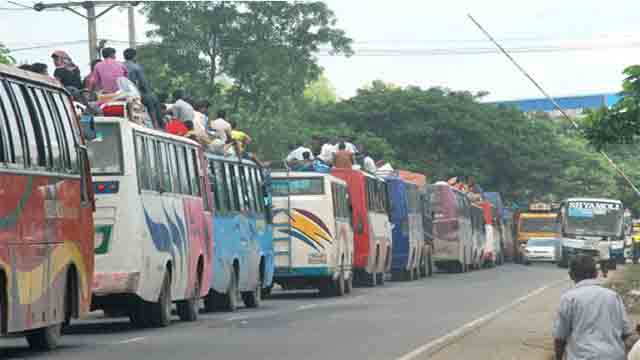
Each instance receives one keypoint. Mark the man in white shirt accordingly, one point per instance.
(592, 322)
(220, 128)
(297, 154)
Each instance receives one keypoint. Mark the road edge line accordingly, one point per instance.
(440, 343)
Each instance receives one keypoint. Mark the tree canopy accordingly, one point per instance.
(258, 60)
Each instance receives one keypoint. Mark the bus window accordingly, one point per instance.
(5, 134)
(259, 190)
(34, 141)
(57, 123)
(66, 125)
(141, 163)
(37, 118)
(230, 180)
(183, 175)
(250, 188)
(173, 167)
(220, 192)
(192, 165)
(14, 130)
(57, 162)
(152, 165)
(241, 193)
(105, 152)
(165, 167)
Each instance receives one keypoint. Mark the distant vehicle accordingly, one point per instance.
(312, 233)
(242, 236)
(370, 220)
(46, 205)
(152, 221)
(407, 229)
(539, 221)
(454, 247)
(585, 222)
(542, 250)
(507, 236)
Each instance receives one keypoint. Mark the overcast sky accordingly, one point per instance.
(421, 26)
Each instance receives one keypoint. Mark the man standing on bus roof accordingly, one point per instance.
(136, 76)
(181, 109)
(108, 71)
(592, 322)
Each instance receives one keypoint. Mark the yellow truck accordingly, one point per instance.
(539, 221)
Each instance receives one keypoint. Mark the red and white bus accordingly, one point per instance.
(46, 210)
(371, 225)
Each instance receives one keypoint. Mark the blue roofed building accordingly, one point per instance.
(573, 105)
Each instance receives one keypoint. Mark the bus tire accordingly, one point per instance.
(230, 299)
(371, 279)
(139, 314)
(429, 266)
(380, 278)
(45, 338)
(161, 311)
(188, 309)
(253, 299)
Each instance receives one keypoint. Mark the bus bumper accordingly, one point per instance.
(115, 283)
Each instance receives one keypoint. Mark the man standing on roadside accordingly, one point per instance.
(592, 322)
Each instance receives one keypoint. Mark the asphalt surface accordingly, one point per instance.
(372, 323)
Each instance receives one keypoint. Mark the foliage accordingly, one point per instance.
(621, 123)
(5, 56)
(265, 49)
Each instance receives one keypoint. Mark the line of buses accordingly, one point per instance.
(135, 221)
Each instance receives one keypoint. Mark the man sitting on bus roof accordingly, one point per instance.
(296, 155)
(343, 157)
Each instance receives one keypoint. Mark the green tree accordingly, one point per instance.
(5, 56)
(265, 49)
(321, 91)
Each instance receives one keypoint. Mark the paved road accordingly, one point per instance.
(371, 323)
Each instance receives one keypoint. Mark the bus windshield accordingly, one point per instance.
(297, 186)
(593, 218)
(105, 152)
(546, 224)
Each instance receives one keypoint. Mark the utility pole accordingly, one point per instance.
(132, 26)
(91, 17)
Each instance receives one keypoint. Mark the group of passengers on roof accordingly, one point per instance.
(218, 135)
(326, 153)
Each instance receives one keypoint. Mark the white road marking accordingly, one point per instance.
(132, 340)
(235, 318)
(307, 307)
(438, 344)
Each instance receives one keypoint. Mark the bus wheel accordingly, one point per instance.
(429, 266)
(161, 310)
(380, 278)
(371, 279)
(188, 309)
(252, 299)
(230, 299)
(45, 338)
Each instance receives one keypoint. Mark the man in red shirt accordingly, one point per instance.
(107, 72)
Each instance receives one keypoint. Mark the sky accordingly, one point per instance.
(606, 29)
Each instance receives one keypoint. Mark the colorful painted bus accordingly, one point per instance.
(370, 220)
(313, 237)
(46, 210)
(243, 255)
(152, 222)
(407, 236)
(452, 231)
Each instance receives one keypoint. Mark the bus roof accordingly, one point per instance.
(144, 129)
(613, 201)
(305, 174)
(228, 158)
(13, 71)
(357, 173)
